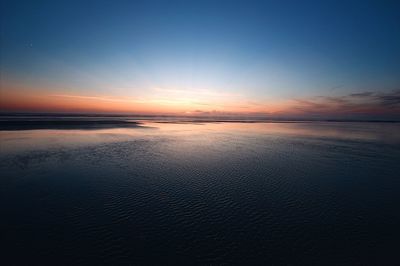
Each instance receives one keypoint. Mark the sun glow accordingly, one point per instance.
(192, 102)
(157, 100)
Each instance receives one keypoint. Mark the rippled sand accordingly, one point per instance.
(202, 193)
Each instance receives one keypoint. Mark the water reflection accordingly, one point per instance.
(202, 193)
(206, 132)
(340, 130)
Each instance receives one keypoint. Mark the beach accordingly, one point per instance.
(201, 193)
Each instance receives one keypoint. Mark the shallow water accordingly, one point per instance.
(202, 193)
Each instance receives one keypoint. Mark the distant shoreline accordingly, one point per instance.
(88, 123)
(120, 119)
(65, 124)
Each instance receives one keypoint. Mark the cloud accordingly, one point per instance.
(390, 99)
(365, 105)
(195, 93)
(361, 94)
(95, 98)
(336, 87)
(385, 99)
(355, 104)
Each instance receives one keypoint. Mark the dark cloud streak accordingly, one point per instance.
(366, 104)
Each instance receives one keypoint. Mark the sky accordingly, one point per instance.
(299, 59)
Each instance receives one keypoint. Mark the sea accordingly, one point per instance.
(129, 191)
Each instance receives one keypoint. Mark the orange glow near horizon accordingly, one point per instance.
(176, 102)
(188, 103)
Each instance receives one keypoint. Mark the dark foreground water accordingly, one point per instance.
(212, 193)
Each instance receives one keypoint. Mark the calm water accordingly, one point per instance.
(212, 193)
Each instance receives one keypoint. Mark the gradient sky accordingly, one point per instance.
(338, 59)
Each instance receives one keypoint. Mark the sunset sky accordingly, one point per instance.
(338, 59)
